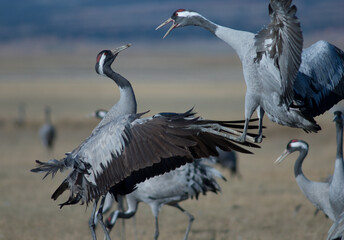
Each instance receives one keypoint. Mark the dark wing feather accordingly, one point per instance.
(320, 82)
(282, 43)
(129, 150)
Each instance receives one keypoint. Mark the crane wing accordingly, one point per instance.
(279, 45)
(129, 150)
(320, 81)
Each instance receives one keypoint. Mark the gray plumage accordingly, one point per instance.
(290, 85)
(170, 188)
(47, 132)
(327, 196)
(337, 229)
(125, 149)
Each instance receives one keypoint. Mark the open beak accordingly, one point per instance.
(121, 48)
(171, 28)
(282, 157)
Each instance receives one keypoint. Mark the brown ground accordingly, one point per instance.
(259, 206)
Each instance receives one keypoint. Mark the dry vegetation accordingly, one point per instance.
(259, 206)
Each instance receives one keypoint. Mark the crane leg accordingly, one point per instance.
(191, 219)
(91, 222)
(100, 219)
(156, 234)
(134, 228)
(242, 138)
(121, 208)
(250, 107)
(260, 113)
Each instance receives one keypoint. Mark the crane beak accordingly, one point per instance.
(121, 48)
(174, 25)
(282, 157)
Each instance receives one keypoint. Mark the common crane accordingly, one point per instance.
(48, 132)
(290, 84)
(227, 160)
(125, 149)
(327, 196)
(185, 182)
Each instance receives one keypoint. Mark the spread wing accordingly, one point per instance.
(279, 48)
(122, 153)
(320, 82)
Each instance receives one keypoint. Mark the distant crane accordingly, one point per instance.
(292, 85)
(99, 113)
(170, 188)
(228, 160)
(327, 196)
(48, 132)
(125, 149)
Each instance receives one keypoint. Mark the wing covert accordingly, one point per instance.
(320, 81)
(280, 45)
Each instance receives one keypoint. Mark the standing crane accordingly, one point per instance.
(48, 132)
(228, 160)
(290, 84)
(327, 196)
(170, 188)
(125, 149)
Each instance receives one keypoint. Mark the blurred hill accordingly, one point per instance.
(136, 20)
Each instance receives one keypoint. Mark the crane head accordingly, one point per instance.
(179, 18)
(106, 57)
(338, 116)
(292, 146)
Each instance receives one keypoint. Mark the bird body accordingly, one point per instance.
(327, 196)
(185, 182)
(125, 148)
(289, 84)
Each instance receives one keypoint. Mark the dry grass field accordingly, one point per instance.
(261, 205)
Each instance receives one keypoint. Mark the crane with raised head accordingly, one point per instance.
(290, 84)
(185, 182)
(125, 148)
(327, 196)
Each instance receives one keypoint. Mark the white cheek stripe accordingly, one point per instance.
(188, 14)
(299, 144)
(101, 64)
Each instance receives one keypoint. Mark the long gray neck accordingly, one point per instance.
(127, 101)
(241, 41)
(204, 23)
(339, 128)
(298, 163)
(126, 215)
